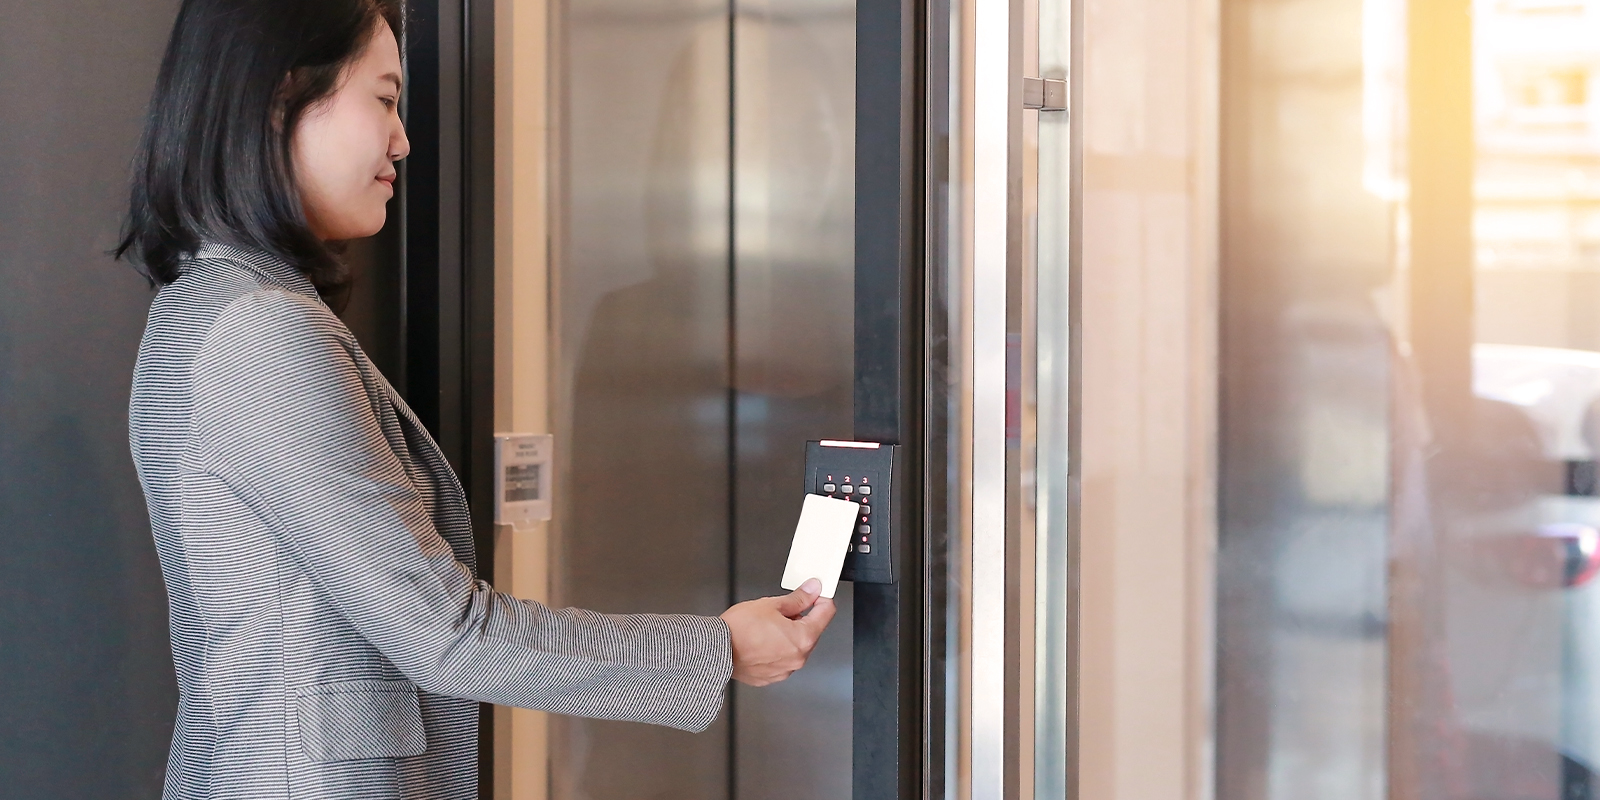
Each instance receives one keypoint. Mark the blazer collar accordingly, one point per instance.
(265, 264)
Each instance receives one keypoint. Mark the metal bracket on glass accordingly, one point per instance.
(1045, 94)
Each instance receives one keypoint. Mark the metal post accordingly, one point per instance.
(888, 703)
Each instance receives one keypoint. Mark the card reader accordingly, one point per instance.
(864, 473)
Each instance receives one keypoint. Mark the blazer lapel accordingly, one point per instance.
(452, 516)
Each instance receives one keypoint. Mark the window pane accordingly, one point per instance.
(1411, 400)
(1307, 265)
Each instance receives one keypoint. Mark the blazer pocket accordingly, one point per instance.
(361, 719)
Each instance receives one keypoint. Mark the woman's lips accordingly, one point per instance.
(386, 180)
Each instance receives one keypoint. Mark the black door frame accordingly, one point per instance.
(447, 250)
(901, 358)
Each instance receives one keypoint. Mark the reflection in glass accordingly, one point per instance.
(705, 310)
(1520, 518)
(794, 360)
(1307, 252)
(1411, 394)
(642, 313)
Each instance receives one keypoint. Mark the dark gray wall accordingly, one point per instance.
(87, 694)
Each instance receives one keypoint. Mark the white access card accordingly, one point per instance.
(820, 542)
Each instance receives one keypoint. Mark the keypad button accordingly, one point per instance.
(866, 490)
(865, 548)
(866, 509)
(847, 489)
(863, 529)
(829, 488)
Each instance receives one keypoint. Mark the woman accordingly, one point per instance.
(330, 636)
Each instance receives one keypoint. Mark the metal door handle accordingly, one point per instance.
(1045, 94)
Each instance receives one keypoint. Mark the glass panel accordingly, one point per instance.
(1517, 500)
(793, 206)
(1308, 252)
(705, 307)
(642, 407)
(1411, 395)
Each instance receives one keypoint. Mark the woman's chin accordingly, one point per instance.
(356, 230)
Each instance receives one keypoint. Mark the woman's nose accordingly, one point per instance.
(399, 145)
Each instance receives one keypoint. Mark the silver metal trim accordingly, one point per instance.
(995, 124)
(1044, 94)
(947, 439)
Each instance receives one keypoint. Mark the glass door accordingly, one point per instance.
(1411, 369)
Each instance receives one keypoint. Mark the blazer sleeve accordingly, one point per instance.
(283, 418)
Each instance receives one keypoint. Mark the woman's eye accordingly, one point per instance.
(388, 102)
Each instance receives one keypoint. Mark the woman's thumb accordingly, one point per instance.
(794, 604)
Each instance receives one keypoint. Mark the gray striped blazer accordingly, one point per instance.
(330, 637)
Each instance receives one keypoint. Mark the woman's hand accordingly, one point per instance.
(773, 636)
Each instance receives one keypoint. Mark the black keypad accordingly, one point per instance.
(852, 473)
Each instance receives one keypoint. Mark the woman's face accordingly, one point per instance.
(345, 146)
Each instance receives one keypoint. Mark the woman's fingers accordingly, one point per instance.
(773, 636)
(816, 622)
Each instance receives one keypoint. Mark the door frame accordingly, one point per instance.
(447, 205)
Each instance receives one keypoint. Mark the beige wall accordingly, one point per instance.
(521, 337)
(1149, 282)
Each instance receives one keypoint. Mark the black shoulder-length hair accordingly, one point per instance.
(215, 163)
